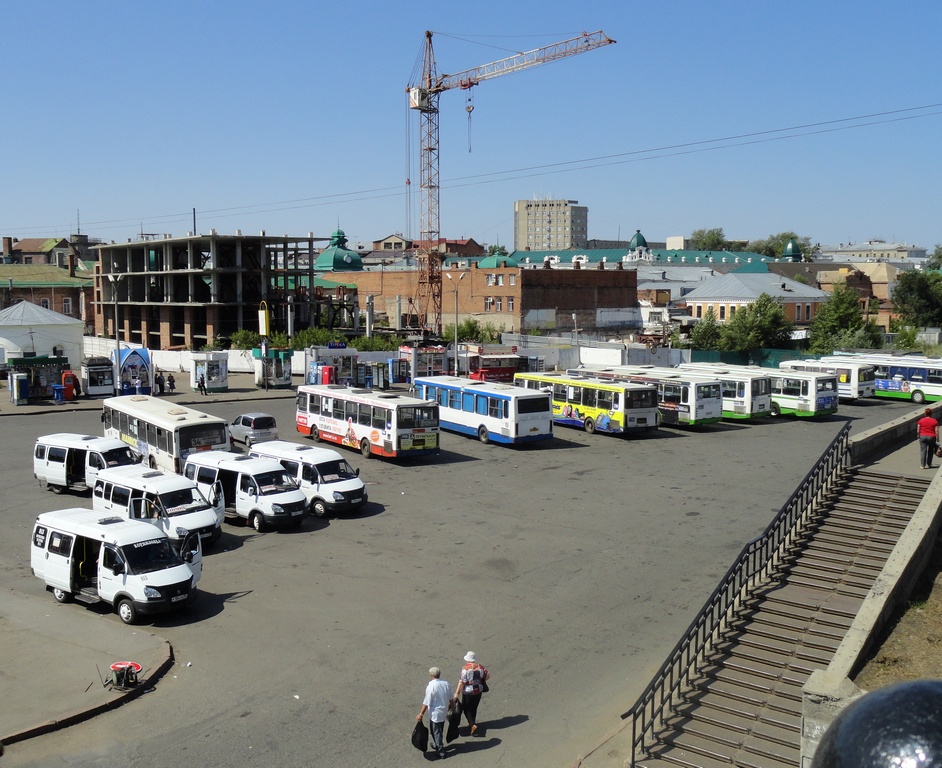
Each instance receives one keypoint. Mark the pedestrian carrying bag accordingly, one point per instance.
(938, 451)
(420, 736)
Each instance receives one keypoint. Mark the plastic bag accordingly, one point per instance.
(420, 736)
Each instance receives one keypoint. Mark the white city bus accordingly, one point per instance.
(162, 433)
(746, 394)
(855, 378)
(596, 405)
(382, 423)
(902, 377)
(798, 393)
(491, 410)
(684, 399)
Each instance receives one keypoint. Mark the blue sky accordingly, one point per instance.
(291, 117)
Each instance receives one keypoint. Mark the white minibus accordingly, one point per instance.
(171, 502)
(327, 481)
(69, 461)
(260, 491)
(84, 556)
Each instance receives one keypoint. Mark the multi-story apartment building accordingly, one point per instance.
(543, 225)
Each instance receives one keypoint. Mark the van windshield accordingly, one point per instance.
(335, 471)
(119, 457)
(150, 555)
(183, 501)
(274, 482)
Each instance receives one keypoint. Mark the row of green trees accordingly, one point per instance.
(771, 246)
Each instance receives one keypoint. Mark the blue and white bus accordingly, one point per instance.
(493, 411)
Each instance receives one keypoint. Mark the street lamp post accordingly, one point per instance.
(115, 277)
(455, 282)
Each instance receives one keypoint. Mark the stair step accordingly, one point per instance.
(788, 735)
(721, 707)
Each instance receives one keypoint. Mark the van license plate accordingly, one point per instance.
(178, 598)
(356, 500)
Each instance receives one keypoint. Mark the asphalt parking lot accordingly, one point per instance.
(569, 568)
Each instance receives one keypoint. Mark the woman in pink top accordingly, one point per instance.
(927, 430)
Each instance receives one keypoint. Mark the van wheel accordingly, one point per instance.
(318, 508)
(589, 425)
(57, 489)
(483, 435)
(258, 522)
(61, 595)
(126, 611)
(248, 443)
(365, 450)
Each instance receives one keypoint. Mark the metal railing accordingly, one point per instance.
(755, 563)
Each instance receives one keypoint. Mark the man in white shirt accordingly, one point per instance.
(436, 701)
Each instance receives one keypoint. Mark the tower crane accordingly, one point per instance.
(424, 98)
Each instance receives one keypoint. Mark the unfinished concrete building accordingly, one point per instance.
(186, 292)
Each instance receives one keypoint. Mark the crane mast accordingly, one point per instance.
(424, 97)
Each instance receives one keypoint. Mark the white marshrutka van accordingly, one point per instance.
(91, 558)
(327, 481)
(70, 461)
(171, 502)
(260, 491)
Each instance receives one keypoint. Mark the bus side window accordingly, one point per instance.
(605, 398)
(467, 402)
(364, 413)
(313, 404)
(495, 408)
(480, 405)
(589, 397)
(337, 409)
(379, 418)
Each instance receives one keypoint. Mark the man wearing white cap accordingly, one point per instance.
(471, 685)
(436, 701)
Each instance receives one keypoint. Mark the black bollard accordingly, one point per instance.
(899, 726)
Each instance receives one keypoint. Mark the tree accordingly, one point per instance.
(244, 339)
(496, 250)
(773, 245)
(935, 258)
(838, 323)
(708, 239)
(706, 334)
(760, 324)
(917, 298)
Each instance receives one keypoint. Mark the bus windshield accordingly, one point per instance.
(422, 416)
(119, 457)
(150, 555)
(273, 482)
(335, 471)
(201, 435)
(182, 501)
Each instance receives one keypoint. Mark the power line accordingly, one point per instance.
(544, 169)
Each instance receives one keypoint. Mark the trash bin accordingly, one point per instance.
(58, 393)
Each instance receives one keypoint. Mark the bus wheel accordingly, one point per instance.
(61, 595)
(483, 435)
(315, 435)
(258, 522)
(126, 611)
(365, 450)
(589, 426)
(918, 397)
(318, 508)
(776, 411)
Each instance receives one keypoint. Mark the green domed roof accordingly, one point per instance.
(637, 240)
(792, 251)
(336, 257)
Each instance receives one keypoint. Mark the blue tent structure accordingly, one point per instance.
(134, 364)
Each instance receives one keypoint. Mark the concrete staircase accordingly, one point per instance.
(743, 707)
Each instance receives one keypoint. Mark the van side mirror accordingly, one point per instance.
(357, 472)
(117, 568)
